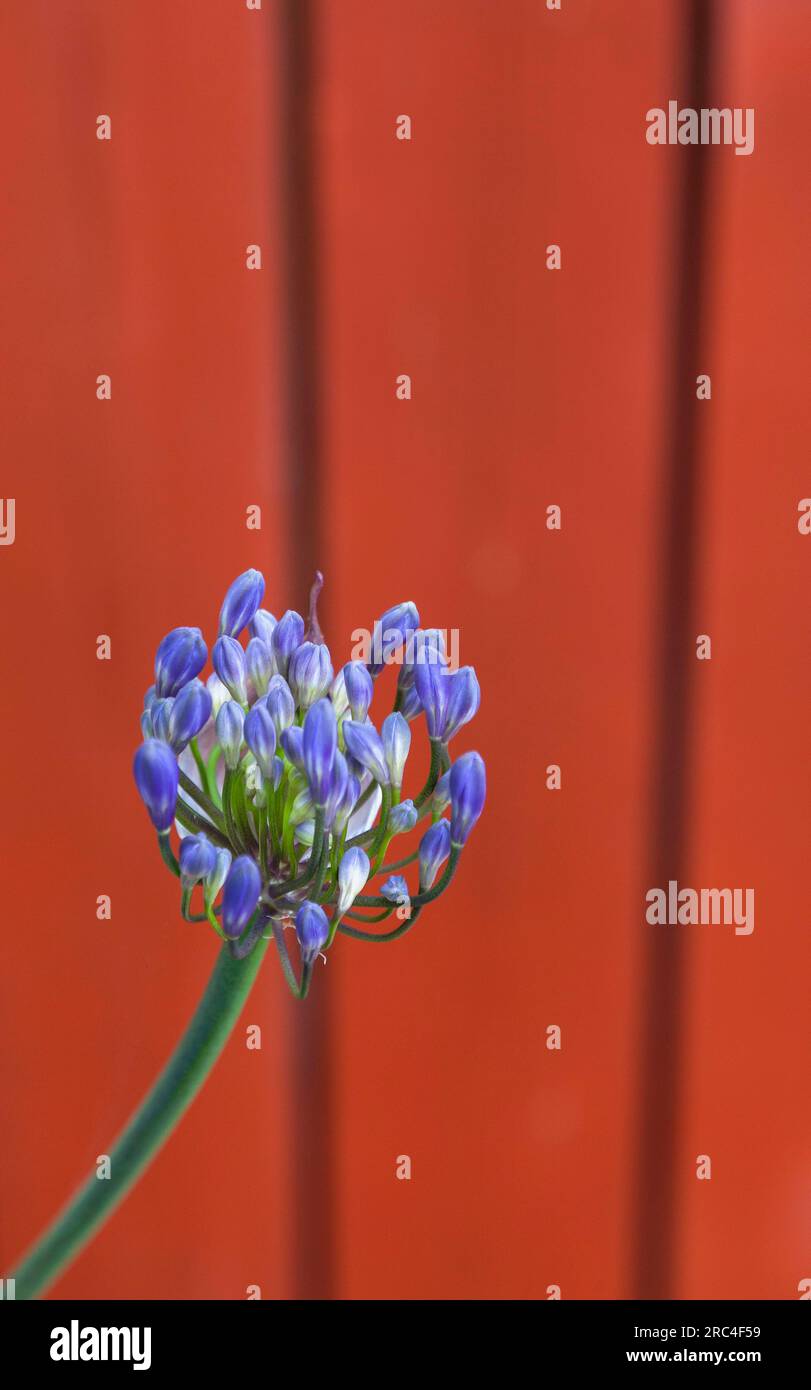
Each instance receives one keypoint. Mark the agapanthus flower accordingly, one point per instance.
(287, 789)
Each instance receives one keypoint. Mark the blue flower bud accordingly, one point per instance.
(155, 769)
(216, 878)
(147, 730)
(287, 635)
(346, 806)
(423, 647)
(312, 930)
(463, 701)
(441, 798)
(280, 704)
(259, 664)
(410, 703)
(310, 673)
(337, 694)
(292, 741)
(180, 657)
(340, 775)
(260, 737)
(390, 633)
(150, 697)
(198, 859)
(190, 713)
(261, 625)
(242, 888)
(320, 745)
(468, 789)
(230, 724)
(403, 818)
(229, 663)
(352, 875)
(431, 684)
(241, 602)
(359, 687)
(396, 743)
(366, 747)
(161, 711)
(435, 846)
(218, 692)
(395, 889)
(276, 773)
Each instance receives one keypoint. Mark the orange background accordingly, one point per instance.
(531, 1167)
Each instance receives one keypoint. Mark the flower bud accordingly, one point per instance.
(435, 846)
(441, 799)
(403, 817)
(161, 711)
(260, 737)
(395, 889)
(359, 688)
(292, 741)
(229, 663)
(468, 790)
(147, 730)
(216, 878)
(363, 742)
(190, 713)
(340, 774)
(218, 692)
(280, 704)
(431, 684)
(259, 664)
(230, 724)
(463, 701)
(396, 742)
(155, 769)
(287, 635)
(198, 859)
(180, 657)
(241, 602)
(312, 930)
(346, 806)
(242, 888)
(261, 625)
(423, 647)
(410, 703)
(320, 746)
(310, 673)
(352, 876)
(390, 632)
(276, 773)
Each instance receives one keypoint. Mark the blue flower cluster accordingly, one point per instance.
(285, 794)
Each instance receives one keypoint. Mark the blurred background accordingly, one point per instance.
(533, 1169)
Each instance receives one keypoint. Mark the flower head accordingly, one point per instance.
(290, 795)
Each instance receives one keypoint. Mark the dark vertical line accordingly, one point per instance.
(312, 1165)
(664, 978)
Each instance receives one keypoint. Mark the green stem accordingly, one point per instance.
(150, 1126)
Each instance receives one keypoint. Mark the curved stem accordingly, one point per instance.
(152, 1123)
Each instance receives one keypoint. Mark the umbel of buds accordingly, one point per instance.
(286, 793)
